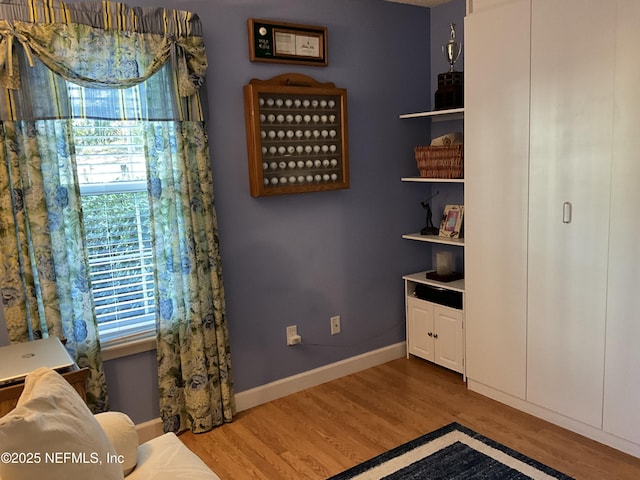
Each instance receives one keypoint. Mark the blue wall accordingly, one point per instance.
(300, 259)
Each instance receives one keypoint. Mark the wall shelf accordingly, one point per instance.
(438, 115)
(458, 242)
(421, 277)
(432, 180)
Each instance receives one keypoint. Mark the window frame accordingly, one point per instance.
(141, 337)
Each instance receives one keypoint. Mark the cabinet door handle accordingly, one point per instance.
(430, 334)
(566, 212)
(435, 335)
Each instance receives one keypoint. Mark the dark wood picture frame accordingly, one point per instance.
(282, 42)
(296, 135)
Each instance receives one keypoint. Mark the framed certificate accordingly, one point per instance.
(281, 42)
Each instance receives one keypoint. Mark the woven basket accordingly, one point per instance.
(440, 162)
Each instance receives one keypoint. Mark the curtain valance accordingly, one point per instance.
(78, 54)
(104, 45)
(104, 15)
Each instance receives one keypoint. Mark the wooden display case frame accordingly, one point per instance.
(296, 135)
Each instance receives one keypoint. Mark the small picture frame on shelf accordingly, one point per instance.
(451, 223)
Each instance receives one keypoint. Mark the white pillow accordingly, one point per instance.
(122, 434)
(52, 434)
(452, 138)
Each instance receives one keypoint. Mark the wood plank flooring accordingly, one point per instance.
(323, 430)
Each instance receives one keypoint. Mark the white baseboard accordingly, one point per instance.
(149, 430)
(557, 419)
(286, 386)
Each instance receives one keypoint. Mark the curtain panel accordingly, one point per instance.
(45, 274)
(143, 64)
(193, 346)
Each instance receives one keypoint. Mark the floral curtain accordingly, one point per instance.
(45, 287)
(112, 50)
(193, 348)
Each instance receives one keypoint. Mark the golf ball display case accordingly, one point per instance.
(296, 135)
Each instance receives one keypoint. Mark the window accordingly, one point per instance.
(111, 170)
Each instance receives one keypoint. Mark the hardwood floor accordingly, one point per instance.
(323, 430)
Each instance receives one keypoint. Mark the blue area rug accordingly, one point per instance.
(451, 452)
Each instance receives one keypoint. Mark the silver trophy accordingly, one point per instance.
(452, 49)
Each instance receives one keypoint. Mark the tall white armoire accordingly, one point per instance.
(552, 260)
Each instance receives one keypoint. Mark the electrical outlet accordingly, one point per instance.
(292, 335)
(335, 325)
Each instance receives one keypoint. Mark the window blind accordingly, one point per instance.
(112, 174)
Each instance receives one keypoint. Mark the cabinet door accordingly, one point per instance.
(496, 190)
(448, 338)
(572, 68)
(622, 361)
(420, 328)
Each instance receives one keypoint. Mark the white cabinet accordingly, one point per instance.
(420, 329)
(496, 195)
(448, 337)
(572, 74)
(622, 359)
(434, 332)
(553, 229)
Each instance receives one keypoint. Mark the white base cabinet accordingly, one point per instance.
(435, 333)
(434, 328)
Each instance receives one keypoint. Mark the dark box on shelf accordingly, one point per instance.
(442, 296)
(450, 93)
